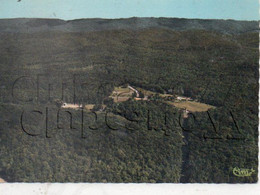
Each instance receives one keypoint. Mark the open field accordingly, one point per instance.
(191, 106)
(121, 94)
(122, 90)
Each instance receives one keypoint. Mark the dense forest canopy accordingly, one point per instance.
(41, 69)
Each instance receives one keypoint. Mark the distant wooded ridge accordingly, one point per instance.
(30, 25)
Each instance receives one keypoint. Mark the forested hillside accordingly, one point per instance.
(131, 141)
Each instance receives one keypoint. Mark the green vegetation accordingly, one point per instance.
(191, 106)
(121, 94)
(213, 68)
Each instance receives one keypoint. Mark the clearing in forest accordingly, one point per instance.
(191, 106)
(121, 94)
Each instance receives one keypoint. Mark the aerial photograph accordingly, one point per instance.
(129, 91)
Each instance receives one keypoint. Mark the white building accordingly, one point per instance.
(73, 106)
(183, 98)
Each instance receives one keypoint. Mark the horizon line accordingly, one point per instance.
(120, 18)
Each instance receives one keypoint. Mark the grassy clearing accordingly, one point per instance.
(122, 89)
(120, 99)
(191, 106)
(121, 94)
